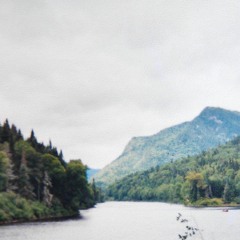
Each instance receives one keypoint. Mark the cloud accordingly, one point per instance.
(92, 74)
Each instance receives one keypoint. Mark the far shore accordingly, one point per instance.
(221, 206)
(229, 207)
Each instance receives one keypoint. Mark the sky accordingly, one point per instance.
(91, 74)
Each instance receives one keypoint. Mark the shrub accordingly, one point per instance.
(204, 202)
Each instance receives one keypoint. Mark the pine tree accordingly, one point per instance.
(25, 188)
(33, 140)
(5, 131)
(50, 145)
(61, 158)
(19, 135)
(11, 178)
(3, 170)
(47, 184)
(14, 132)
(11, 146)
(61, 155)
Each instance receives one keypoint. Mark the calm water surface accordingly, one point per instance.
(131, 221)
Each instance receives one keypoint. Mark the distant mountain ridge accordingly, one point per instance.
(214, 126)
(91, 172)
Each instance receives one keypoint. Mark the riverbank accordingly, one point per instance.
(210, 202)
(47, 219)
(15, 209)
(205, 202)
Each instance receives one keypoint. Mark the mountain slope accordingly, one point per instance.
(210, 178)
(212, 127)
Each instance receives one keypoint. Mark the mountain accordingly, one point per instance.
(210, 178)
(214, 126)
(91, 172)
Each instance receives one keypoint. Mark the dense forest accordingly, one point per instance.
(36, 182)
(211, 178)
(213, 126)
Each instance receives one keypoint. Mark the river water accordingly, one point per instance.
(132, 221)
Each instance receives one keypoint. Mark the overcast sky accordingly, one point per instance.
(91, 74)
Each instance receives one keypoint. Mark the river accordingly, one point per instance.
(132, 221)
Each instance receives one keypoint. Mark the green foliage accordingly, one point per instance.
(79, 193)
(25, 188)
(213, 202)
(47, 186)
(13, 207)
(212, 127)
(211, 178)
(196, 181)
(3, 170)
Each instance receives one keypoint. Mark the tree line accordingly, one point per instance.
(210, 178)
(36, 181)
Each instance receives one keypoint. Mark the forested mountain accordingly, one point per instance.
(212, 127)
(211, 178)
(36, 182)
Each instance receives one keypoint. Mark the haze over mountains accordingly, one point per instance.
(214, 126)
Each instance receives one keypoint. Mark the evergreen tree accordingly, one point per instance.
(50, 145)
(33, 140)
(61, 159)
(47, 184)
(14, 130)
(3, 171)
(11, 185)
(19, 135)
(25, 188)
(5, 131)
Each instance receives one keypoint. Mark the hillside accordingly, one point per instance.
(212, 127)
(211, 178)
(36, 182)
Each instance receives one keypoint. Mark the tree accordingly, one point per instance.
(61, 158)
(229, 192)
(196, 181)
(25, 188)
(11, 185)
(19, 135)
(216, 185)
(78, 192)
(3, 171)
(5, 132)
(56, 172)
(96, 192)
(47, 184)
(33, 140)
